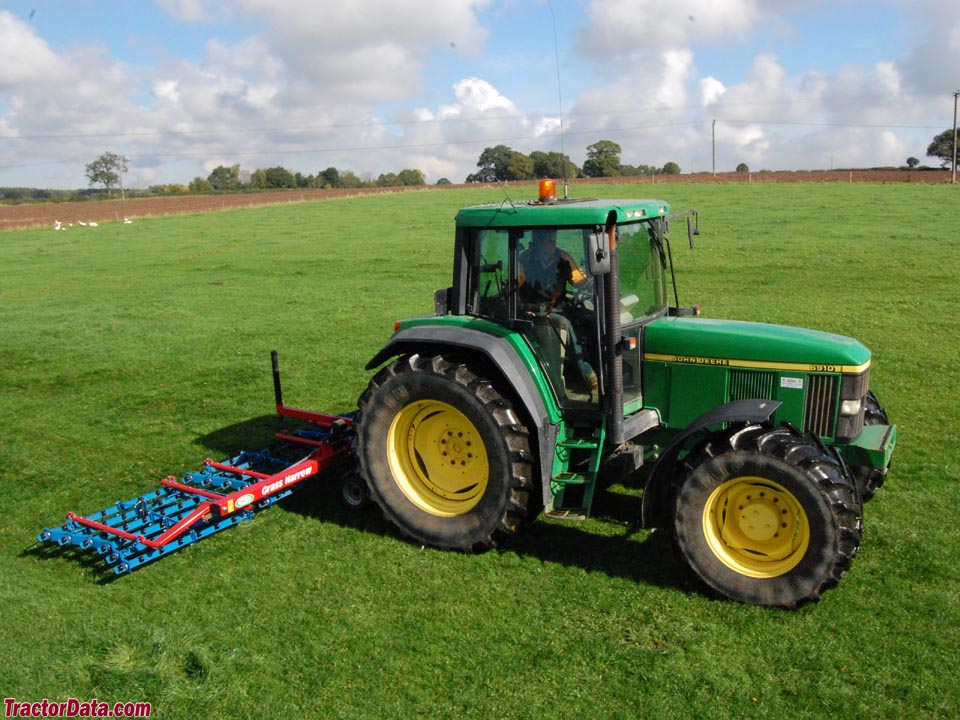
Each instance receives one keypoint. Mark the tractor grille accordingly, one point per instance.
(751, 384)
(820, 405)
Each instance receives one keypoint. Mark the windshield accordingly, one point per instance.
(643, 288)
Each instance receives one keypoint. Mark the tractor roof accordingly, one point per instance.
(560, 213)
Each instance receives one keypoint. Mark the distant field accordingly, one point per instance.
(38, 214)
(132, 352)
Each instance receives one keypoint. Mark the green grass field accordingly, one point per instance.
(132, 352)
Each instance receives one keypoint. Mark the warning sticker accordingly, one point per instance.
(794, 383)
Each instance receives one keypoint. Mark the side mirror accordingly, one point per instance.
(598, 254)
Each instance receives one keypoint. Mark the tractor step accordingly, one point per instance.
(571, 478)
(572, 490)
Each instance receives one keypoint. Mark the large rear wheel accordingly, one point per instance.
(766, 516)
(444, 454)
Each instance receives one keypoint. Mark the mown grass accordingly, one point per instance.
(131, 352)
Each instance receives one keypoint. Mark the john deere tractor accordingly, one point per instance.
(561, 352)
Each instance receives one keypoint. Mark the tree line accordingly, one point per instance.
(496, 164)
(502, 163)
(233, 179)
(499, 163)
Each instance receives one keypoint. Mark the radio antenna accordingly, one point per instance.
(556, 53)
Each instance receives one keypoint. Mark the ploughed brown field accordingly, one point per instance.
(39, 214)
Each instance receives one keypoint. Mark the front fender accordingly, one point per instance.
(656, 491)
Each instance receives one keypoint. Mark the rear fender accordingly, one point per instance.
(433, 339)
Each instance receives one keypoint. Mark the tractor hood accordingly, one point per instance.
(749, 344)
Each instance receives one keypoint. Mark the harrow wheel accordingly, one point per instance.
(444, 453)
(353, 491)
(766, 516)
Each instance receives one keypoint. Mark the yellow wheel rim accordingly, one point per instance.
(438, 458)
(756, 527)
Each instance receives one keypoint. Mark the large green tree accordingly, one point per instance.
(603, 159)
(279, 177)
(500, 163)
(942, 147)
(223, 178)
(520, 167)
(329, 178)
(107, 170)
(411, 176)
(550, 165)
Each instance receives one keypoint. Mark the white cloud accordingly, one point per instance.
(475, 97)
(362, 52)
(167, 90)
(188, 11)
(860, 114)
(25, 57)
(930, 67)
(711, 90)
(619, 28)
(479, 116)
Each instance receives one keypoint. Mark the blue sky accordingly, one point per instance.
(372, 86)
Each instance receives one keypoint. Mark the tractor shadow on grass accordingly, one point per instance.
(611, 542)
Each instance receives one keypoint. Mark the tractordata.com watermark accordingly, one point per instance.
(75, 708)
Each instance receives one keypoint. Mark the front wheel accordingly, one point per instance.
(444, 453)
(766, 516)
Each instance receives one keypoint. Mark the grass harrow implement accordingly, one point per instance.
(132, 533)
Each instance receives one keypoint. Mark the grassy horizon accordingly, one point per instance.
(132, 352)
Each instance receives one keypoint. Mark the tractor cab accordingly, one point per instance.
(579, 280)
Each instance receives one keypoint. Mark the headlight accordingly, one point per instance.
(850, 407)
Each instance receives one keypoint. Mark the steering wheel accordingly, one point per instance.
(582, 293)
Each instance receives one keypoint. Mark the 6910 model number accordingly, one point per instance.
(824, 368)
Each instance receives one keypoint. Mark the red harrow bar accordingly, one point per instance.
(131, 533)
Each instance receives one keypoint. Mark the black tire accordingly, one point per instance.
(354, 493)
(870, 479)
(766, 516)
(445, 455)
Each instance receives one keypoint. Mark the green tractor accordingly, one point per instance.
(557, 359)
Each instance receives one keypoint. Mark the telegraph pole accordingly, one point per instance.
(713, 140)
(953, 173)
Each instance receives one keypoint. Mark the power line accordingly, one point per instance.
(373, 124)
(368, 148)
(301, 150)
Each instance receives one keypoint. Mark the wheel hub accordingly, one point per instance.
(438, 458)
(756, 527)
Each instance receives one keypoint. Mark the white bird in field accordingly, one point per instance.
(127, 221)
(93, 224)
(56, 225)
(81, 222)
